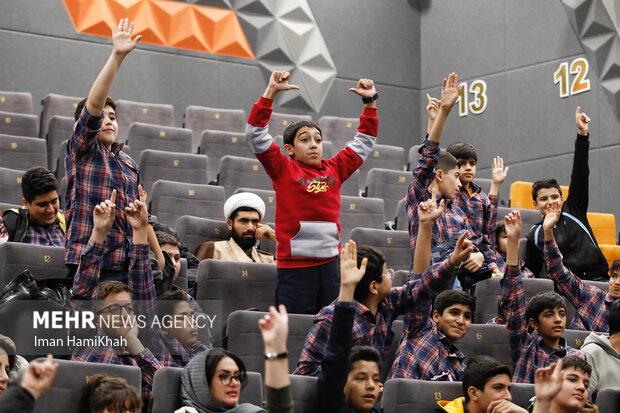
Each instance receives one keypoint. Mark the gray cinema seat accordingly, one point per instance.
(487, 339)
(66, 393)
(608, 401)
(16, 102)
(395, 245)
(19, 124)
(412, 159)
(575, 338)
(227, 286)
(338, 130)
(172, 166)
(18, 152)
(389, 185)
(60, 160)
(43, 262)
(59, 130)
(408, 395)
(167, 390)
(57, 105)
(268, 197)
(245, 340)
(195, 230)
(4, 206)
(384, 157)
(217, 144)
(389, 357)
(237, 172)
(128, 112)
(529, 217)
(199, 118)
(402, 219)
(303, 391)
(11, 186)
(356, 211)
(484, 184)
(170, 200)
(400, 278)
(279, 121)
(142, 136)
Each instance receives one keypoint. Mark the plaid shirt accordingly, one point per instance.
(424, 352)
(51, 236)
(93, 172)
(500, 260)
(591, 304)
(143, 294)
(528, 351)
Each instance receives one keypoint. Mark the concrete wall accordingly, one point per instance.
(406, 46)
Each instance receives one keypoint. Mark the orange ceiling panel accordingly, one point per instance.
(165, 23)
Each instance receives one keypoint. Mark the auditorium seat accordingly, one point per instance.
(17, 152)
(193, 231)
(351, 187)
(608, 400)
(43, 262)
(388, 358)
(60, 160)
(128, 112)
(268, 197)
(402, 219)
(385, 157)
(16, 102)
(412, 159)
(602, 285)
(279, 121)
(199, 118)
(59, 129)
(521, 192)
(172, 166)
(611, 252)
(389, 185)
(395, 245)
(407, 395)
(142, 136)
(356, 211)
(487, 339)
(604, 227)
(225, 286)
(182, 280)
(236, 172)
(4, 206)
(11, 186)
(338, 130)
(529, 218)
(303, 391)
(19, 124)
(57, 105)
(67, 391)
(217, 144)
(400, 278)
(575, 338)
(484, 184)
(169, 200)
(245, 339)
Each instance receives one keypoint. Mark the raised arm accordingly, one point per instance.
(547, 384)
(432, 108)
(578, 191)
(428, 212)
(449, 95)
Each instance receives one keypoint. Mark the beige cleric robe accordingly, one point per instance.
(231, 251)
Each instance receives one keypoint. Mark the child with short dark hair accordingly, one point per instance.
(545, 313)
(111, 394)
(308, 195)
(501, 241)
(562, 387)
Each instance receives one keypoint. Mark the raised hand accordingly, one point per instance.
(554, 210)
(103, 217)
(350, 275)
(39, 376)
(513, 224)
(137, 215)
(582, 121)
(449, 92)
(274, 328)
(143, 194)
(548, 381)
(365, 88)
(121, 38)
(462, 250)
(474, 262)
(428, 211)
(498, 172)
(278, 81)
(432, 108)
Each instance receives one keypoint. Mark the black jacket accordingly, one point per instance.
(16, 223)
(16, 399)
(572, 233)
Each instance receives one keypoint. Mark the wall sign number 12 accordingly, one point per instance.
(580, 84)
(479, 103)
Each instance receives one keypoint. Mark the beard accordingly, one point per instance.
(244, 242)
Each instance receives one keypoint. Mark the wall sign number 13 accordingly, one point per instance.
(479, 103)
(580, 84)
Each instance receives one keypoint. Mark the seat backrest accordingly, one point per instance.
(11, 186)
(575, 338)
(412, 158)
(57, 105)
(4, 206)
(19, 124)
(522, 393)
(170, 200)
(400, 278)
(338, 130)
(389, 185)
(172, 166)
(608, 400)
(143, 136)
(60, 159)
(355, 210)
(384, 156)
(245, 340)
(603, 226)
(279, 121)
(43, 262)
(195, 230)
(395, 245)
(16, 102)
(128, 112)
(388, 358)
(352, 186)
(217, 144)
(402, 219)
(67, 390)
(268, 197)
(407, 395)
(529, 218)
(303, 390)
(521, 192)
(237, 172)
(611, 253)
(226, 286)
(199, 118)
(59, 130)
(18, 152)
(488, 339)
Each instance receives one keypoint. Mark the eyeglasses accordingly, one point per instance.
(227, 378)
(389, 273)
(116, 309)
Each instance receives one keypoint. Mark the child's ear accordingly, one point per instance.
(289, 149)
(436, 316)
(473, 393)
(26, 203)
(534, 324)
(229, 223)
(439, 175)
(373, 288)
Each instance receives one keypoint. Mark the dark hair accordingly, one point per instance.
(291, 130)
(234, 214)
(365, 353)
(113, 393)
(479, 370)
(614, 318)
(9, 348)
(449, 298)
(576, 363)
(214, 356)
(446, 162)
(374, 270)
(166, 238)
(168, 300)
(500, 312)
(547, 300)
(499, 228)
(462, 150)
(38, 181)
(614, 266)
(106, 288)
(80, 106)
(544, 183)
